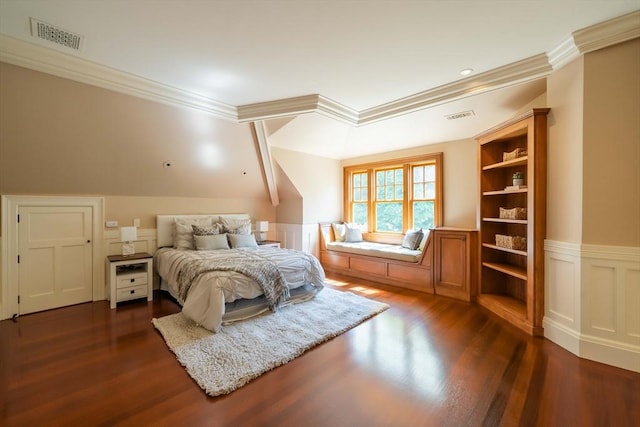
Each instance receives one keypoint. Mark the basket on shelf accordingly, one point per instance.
(518, 152)
(511, 242)
(513, 213)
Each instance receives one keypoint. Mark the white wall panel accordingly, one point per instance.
(602, 284)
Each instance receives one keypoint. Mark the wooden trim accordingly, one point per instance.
(406, 163)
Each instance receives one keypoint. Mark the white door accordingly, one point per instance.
(55, 257)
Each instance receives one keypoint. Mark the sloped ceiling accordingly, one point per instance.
(360, 76)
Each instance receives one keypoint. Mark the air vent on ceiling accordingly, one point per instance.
(460, 115)
(53, 34)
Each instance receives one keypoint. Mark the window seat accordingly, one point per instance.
(375, 249)
(380, 262)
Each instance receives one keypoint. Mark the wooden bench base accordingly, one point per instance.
(448, 265)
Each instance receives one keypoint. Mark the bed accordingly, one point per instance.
(219, 274)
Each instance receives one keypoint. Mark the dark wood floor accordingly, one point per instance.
(427, 361)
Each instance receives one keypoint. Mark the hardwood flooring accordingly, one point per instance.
(427, 361)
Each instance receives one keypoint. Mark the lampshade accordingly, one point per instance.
(128, 234)
(262, 226)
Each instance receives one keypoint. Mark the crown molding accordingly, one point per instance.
(564, 53)
(608, 33)
(50, 61)
(40, 58)
(295, 106)
(528, 69)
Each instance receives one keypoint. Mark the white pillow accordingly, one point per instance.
(183, 231)
(412, 239)
(236, 226)
(352, 234)
(211, 242)
(243, 241)
(339, 231)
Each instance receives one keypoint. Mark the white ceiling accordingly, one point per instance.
(362, 56)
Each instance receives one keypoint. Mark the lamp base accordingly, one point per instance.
(128, 249)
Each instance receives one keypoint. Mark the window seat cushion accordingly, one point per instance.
(382, 250)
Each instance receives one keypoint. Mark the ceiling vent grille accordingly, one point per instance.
(53, 34)
(460, 115)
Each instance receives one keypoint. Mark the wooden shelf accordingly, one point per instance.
(511, 281)
(502, 192)
(500, 248)
(512, 270)
(508, 221)
(509, 163)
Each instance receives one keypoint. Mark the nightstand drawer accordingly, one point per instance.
(132, 292)
(128, 280)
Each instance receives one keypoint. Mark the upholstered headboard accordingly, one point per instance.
(165, 227)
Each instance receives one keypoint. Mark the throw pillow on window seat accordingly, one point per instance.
(352, 234)
(412, 239)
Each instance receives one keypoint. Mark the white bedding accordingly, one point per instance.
(209, 293)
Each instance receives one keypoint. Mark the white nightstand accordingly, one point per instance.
(130, 277)
(269, 243)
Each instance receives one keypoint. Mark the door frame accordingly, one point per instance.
(9, 248)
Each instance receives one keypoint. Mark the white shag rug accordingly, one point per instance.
(224, 361)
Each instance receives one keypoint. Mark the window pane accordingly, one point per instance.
(399, 176)
(389, 180)
(360, 214)
(356, 180)
(418, 174)
(389, 217)
(423, 215)
(418, 191)
(388, 193)
(380, 178)
(399, 192)
(431, 173)
(431, 190)
(380, 195)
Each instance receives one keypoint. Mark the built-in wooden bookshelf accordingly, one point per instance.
(511, 280)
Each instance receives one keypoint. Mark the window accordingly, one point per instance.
(395, 196)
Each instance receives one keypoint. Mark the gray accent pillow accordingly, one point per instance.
(242, 241)
(211, 242)
(206, 231)
(412, 239)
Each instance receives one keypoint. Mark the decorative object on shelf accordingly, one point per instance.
(513, 213)
(511, 242)
(261, 228)
(518, 178)
(518, 152)
(127, 236)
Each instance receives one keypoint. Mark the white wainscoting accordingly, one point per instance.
(592, 301)
(303, 237)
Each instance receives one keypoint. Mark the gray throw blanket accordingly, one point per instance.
(265, 273)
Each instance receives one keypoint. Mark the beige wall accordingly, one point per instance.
(318, 180)
(460, 178)
(58, 136)
(125, 208)
(611, 204)
(564, 153)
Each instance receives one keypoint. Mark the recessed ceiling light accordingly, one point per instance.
(466, 71)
